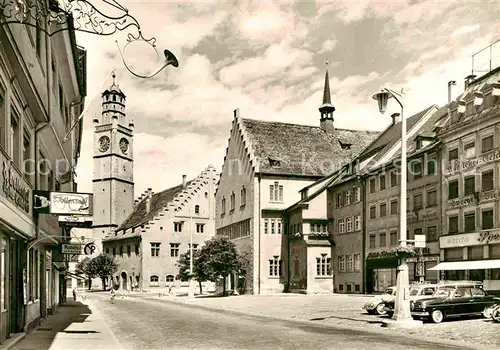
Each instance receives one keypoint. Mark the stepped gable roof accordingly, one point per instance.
(302, 149)
(158, 202)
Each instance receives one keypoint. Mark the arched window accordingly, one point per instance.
(169, 278)
(114, 98)
(154, 281)
(196, 209)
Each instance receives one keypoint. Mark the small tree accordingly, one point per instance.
(220, 258)
(86, 268)
(245, 259)
(103, 266)
(199, 270)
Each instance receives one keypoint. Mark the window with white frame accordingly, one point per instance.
(341, 262)
(350, 266)
(279, 226)
(357, 262)
(154, 281)
(341, 226)
(174, 249)
(266, 226)
(276, 192)
(155, 249)
(177, 226)
(349, 224)
(348, 198)
(200, 228)
(323, 265)
(357, 222)
(357, 195)
(275, 266)
(273, 224)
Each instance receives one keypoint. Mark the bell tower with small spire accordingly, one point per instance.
(327, 109)
(113, 180)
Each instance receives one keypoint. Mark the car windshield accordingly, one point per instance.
(444, 292)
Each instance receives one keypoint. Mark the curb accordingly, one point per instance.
(12, 342)
(452, 343)
(96, 311)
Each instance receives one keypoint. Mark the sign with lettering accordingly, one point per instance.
(63, 203)
(470, 239)
(419, 241)
(76, 221)
(464, 164)
(15, 187)
(71, 249)
(461, 202)
(423, 258)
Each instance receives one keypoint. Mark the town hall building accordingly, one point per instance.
(266, 166)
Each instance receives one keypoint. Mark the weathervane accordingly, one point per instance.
(79, 15)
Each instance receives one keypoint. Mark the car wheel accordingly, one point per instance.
(380, 309)
(487, 312)
(437, 316)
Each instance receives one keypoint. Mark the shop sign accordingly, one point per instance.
(63, 203)
(461, 202)
(423, 259)
(14, 187)
(464, 164)
(71, 249)
(470, 239)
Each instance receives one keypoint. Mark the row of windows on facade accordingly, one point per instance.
(431, 235)
(323, 266)
(469, 187)
(275, 226)
(174, 249)
(154, 280)
(349, 224)
(349, 262)
(37, 39)
(178, 226)
(236, 230)
(243, 200)
(469, 148)
(470, 223)
(418, 204)
(19, 149)
(473, 253)
(115, 98)
(348, 287)
(344, 198)
(416, 171)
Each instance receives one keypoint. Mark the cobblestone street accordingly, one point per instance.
(149, 323)
(345, 311)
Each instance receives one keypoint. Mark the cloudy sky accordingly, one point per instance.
(267, 58)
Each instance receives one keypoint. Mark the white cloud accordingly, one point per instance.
(328, 45)
(465, 30)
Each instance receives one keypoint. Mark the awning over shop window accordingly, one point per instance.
(467, 265)
(73, 275)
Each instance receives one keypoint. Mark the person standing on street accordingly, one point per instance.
(74, 294)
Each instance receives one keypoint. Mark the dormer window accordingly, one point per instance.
(275, 163)
(345, 145)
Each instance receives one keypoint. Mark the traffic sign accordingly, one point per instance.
(419, 241)
(71, 249)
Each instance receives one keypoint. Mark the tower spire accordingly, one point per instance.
(327, 109)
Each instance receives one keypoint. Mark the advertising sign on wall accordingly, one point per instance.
(62, 203)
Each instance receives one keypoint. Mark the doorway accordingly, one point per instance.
(124, 280)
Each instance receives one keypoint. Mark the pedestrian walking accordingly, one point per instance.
(112, 296)
(74, 294)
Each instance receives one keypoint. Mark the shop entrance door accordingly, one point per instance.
(16, 309)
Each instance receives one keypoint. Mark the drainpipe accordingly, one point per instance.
(259, 233)
(363, 234)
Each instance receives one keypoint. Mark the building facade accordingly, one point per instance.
(470, 132)
(267, 164)
(161, 227)
(38, 106)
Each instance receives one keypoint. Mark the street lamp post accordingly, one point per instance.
(191, 289)
(402, 313)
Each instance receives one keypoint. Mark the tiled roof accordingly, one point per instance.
(158, 202)
(393, 133)
(301, 149)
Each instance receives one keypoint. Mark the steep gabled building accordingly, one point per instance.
(265, 167)
(148, 243)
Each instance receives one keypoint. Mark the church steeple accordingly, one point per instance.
(327, 108)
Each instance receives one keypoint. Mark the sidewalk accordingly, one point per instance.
(75, 326)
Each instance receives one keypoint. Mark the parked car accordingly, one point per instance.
(418, 290)
(453, 299)
(376, 304)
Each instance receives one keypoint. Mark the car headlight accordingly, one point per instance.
(412, 305)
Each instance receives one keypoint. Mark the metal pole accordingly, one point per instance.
(191, 291)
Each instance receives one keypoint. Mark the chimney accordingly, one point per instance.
(183, 181)
(148, 200)
(395, 118)
(450, 84)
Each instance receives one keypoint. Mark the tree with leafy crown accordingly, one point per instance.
(220, 258)
(103, 266)
(199, 268)
(245, 259)
(86, 268)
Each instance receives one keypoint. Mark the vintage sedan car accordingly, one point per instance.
(453, 300)
(417, 291)
(376, 304)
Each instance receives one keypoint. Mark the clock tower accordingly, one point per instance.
(113, 181)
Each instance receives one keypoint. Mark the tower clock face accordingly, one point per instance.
(124, 145)
(104, 143)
